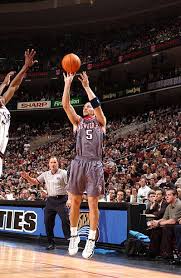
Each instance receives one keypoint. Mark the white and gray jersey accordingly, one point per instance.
(89, 139)
(4, 128)
(55, 183)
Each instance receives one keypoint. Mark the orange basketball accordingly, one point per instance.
(71, 63)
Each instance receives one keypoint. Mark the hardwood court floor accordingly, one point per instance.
(18, 260)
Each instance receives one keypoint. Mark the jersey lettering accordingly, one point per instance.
(89, 134)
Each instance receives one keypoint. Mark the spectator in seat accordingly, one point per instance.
(33, 196)
(143, 191)
(160, 204)
(148, 174)
(120, 196)
(151, 182)
(163, 177)
(178, 182)
(151, 202)
(168, 183)
(179, 192)
(174, 177)
(112, 195)
(128, 194)
(133, 197)
(9, 195)
(162, 239)
(24, 195)
(2, 196)
(43, 194)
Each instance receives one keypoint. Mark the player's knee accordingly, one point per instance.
(93, 204)
(75, 201)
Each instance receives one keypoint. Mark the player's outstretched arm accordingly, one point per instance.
(16, 82)
(6, 81)
(70, 111)
(93, 99)
(29, 179)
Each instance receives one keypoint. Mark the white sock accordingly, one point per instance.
(92, 235)
(73, 231)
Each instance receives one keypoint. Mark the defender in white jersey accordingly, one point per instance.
(86, 172)
(13, 87)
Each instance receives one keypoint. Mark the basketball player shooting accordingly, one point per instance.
(13, 87)
(86, 173)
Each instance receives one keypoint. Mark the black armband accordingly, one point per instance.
(95, 102)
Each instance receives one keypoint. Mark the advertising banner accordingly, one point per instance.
(36, 105)
(112, 226)
(21, 220)
(28, 220)
(73, 101)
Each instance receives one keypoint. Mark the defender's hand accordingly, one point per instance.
(29, 58)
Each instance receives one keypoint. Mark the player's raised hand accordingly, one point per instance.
(68, 78)
(7, 78)
(29, 58)
(84, 79)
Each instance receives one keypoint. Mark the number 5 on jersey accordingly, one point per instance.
(89, 134)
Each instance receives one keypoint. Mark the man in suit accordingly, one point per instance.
(159, 205)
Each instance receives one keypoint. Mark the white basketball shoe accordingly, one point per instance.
(88, 251)
(73, 245)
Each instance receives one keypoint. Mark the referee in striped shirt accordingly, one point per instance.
(55, 181)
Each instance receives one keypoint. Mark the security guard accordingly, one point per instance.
(57, 202)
